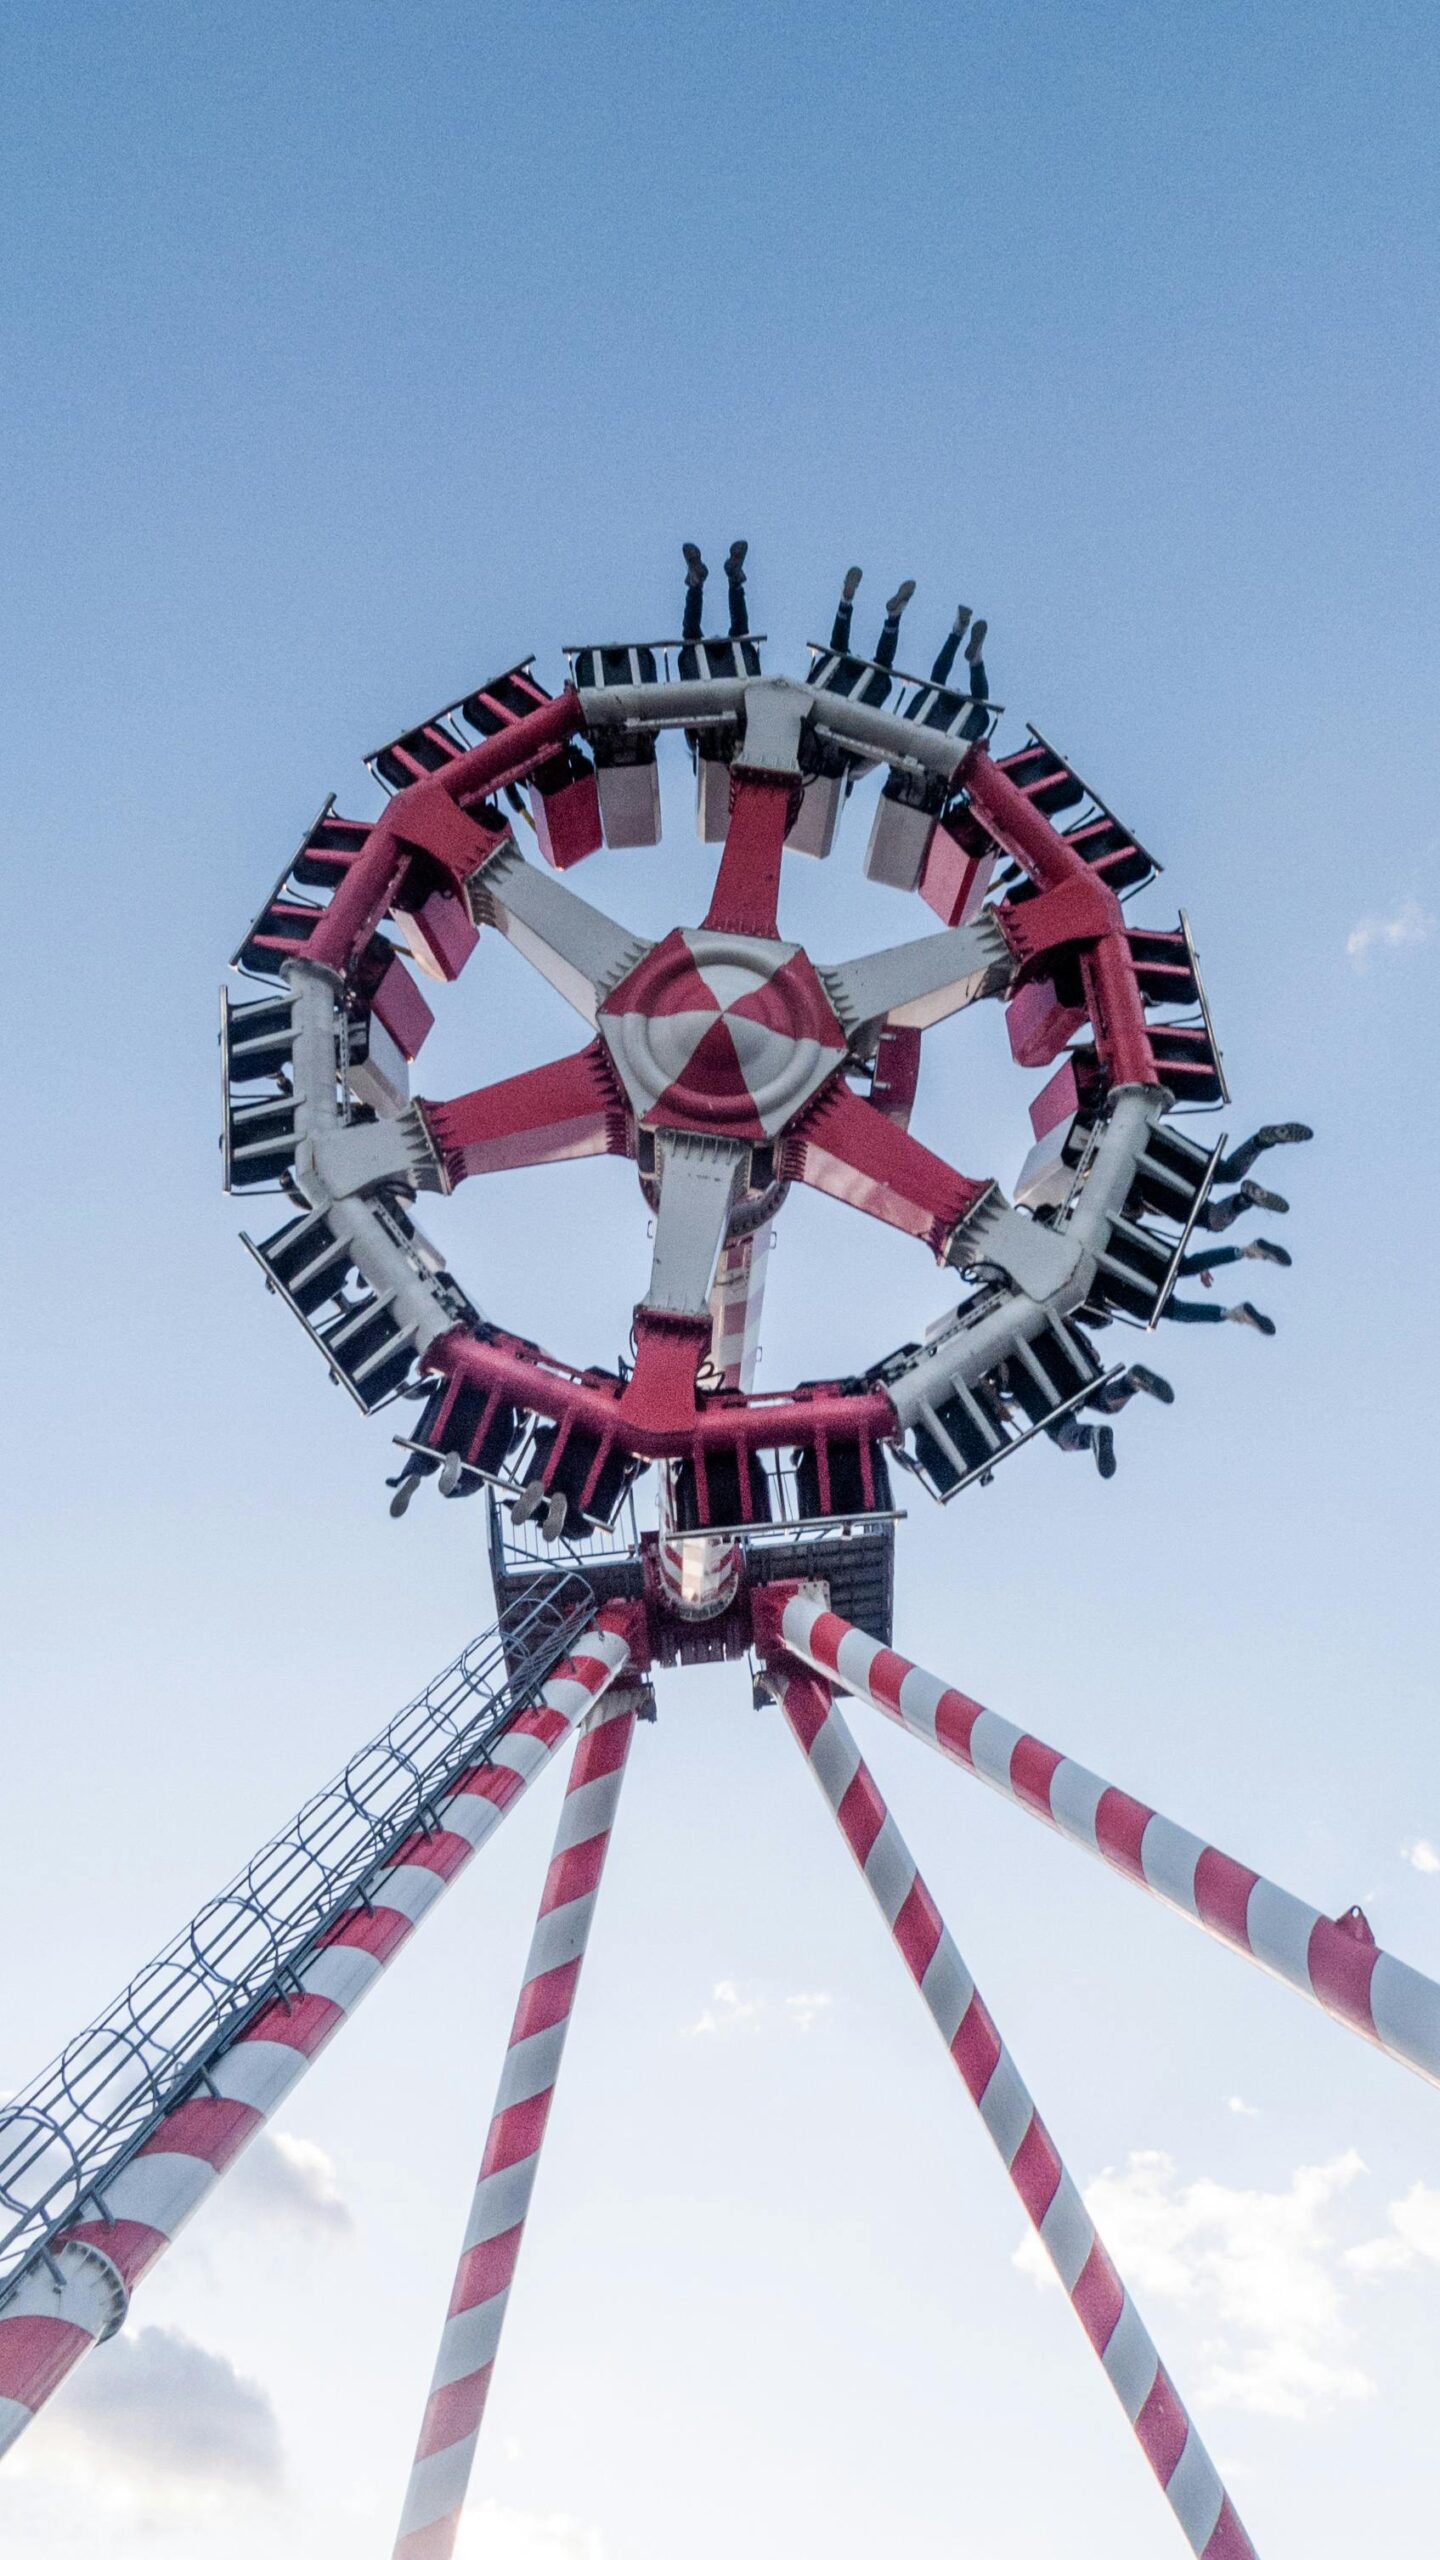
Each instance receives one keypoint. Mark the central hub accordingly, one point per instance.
(721, 1032)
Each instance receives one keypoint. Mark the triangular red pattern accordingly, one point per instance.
(657, 986)
(714, 1087)
(792, 1002)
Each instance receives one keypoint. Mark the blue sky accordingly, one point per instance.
(352, 353)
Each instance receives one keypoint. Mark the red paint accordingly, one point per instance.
(955, 1720)
(1162, 2426)
(486, 2270)
(1039, 1025)
(955, 876)
(861, 1814)
(1341, 1967)
(454, 2410)
(1032, 1766)
(440, 934)
(747, 884)
(1099, 2298)
(1222, 1896)
(1056, 1101)
(918, 1928)
(897, 1073)
(210, 2129)
(516, 2133)
(373, 878)
(549, 1115)
(844, 1146)
(1120, 1825)
(976, 2047)
(545, 2001)
(1036, 2170)
(399, 1005)
(36, 2353)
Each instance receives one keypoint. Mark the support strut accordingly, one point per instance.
(460, 2385)
(1163, 2428)
(1335, 1963)
(78, 2292)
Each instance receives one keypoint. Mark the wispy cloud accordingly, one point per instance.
(1258, 2269)
(283, 2178)
(1241, 2107)
(731, 2010)
(1423, 1856)
(1413, 2239)
(1409, 924)
(161, 2422)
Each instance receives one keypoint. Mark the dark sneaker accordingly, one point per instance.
(735, 563)
(451, 1472)
(1246, 1314)
(1260, 1249)
(1105, 1458)
(850, 585)
(1284, 1133)
(903, 593)
(1257, 1197)
(554, 1516)
(1145, 1382)
(404, 1494)
(976, 641)
(696, 572)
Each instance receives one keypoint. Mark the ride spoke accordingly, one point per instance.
(548, 1115)
(916, 984)
(845, 1147)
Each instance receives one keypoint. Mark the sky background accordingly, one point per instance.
(351, 353)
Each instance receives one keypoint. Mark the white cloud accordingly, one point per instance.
(1423, 1856)
(1413, 2239)
(802, 2008)
(1241, 2107)
(731, 2009)
(1408, 924)
(1257, 2269)
(493, 2532)
(157, 2421)
(284, 2178)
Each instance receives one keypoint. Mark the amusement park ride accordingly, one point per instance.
(727, 1064)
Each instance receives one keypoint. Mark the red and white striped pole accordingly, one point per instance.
(470, 2341)
(1106, 2312)
(79, 2292)
(1336, 1963)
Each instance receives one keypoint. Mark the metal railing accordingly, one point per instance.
(65, 2136)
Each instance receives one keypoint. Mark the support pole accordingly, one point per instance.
(1335, 1963)
(1163, 2428)
(470, 2341)
(78, 2293)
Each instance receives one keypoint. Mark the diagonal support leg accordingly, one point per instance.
(77, 2294)
(1335, 1963)
(1163, 2428)
(460, 2385)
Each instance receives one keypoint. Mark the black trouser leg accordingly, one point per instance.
(840, 627)
(693, 625)
(945, 658)
(1193, 1311)
(739, 613)
(888, 642)
(1214, 1260)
